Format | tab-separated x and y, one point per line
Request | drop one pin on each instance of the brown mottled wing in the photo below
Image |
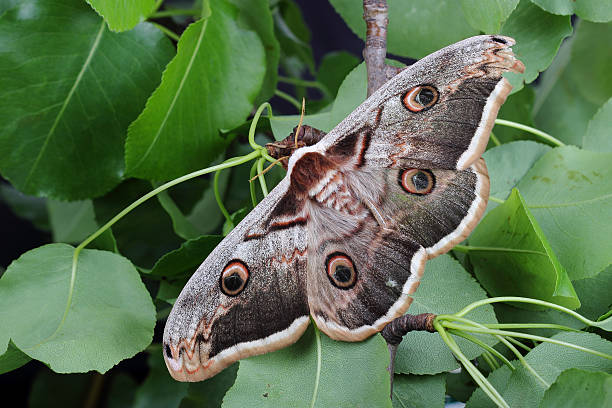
208	330
388	234
363	212
451	134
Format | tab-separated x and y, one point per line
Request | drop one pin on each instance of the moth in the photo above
344	237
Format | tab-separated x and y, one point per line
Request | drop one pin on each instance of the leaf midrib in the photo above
71	93
176	95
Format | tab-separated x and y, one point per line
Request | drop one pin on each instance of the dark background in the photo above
328	33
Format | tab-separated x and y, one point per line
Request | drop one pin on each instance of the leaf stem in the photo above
486	386
176	12
494	139
253	126
288	98
496	200
167	31
468	248
252	185
226	214
315	391
262	178
534	131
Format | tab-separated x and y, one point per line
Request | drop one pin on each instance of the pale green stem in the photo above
166	31
518	299
470	368
468	248
534	131
226	214
483	345
304	83
315	391
488	358
496	200
495	140
176	12
253	127
262	179
288	98
518	343
527	336
252	185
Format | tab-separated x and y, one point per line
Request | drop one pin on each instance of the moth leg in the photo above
283	149
394	332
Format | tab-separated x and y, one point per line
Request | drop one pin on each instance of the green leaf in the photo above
560	108
257	16
180	223
598	11
351	94
334	68
71	222
125	16
590	63
487	16
12	359
89	320
33	209
598	136
579	388
512	257
315	369
159	389
7	4
514	313
183	262
445	288
294	38
508	164
538	36
569	192
52	390
178	131
521	389
416	28
419	391
282	126
210	393
69	89
594	294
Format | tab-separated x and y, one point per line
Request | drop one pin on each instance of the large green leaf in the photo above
538	36
71	222
445	288
598	136
210	393
159	389
508	164
419	391
88	319
210	85
12	359
487	15
316	371
334	68
599	11
589	67
416	28
68	90
125	15
579	388
512	257
256	15
594	294
569	192
182	262
521	389
560	108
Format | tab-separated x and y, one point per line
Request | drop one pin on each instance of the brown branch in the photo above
375	15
